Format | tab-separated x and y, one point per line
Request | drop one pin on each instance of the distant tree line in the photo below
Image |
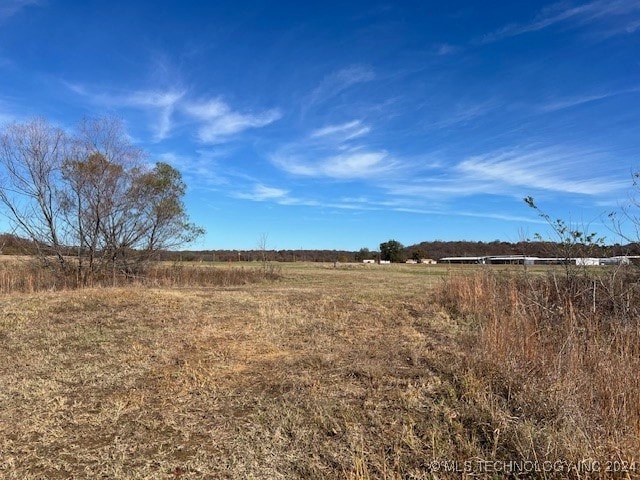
14	245
434	250
343	256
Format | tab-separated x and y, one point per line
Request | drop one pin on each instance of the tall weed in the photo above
558	356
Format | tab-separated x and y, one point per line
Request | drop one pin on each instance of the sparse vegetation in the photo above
26	275
553	356
347	372
553	361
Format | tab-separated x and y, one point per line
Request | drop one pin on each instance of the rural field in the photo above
355	372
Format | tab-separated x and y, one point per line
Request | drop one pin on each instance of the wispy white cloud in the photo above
455	212
216	121
259	192
580	100
164	102
342	132
356	165
631	27
562	12
201	170
517	172
161	104
501	216
208	109
423	195
219	122
152	98
339	81
443	187
446	49
463	113
361	199
336	151
547	169
262	192
8	8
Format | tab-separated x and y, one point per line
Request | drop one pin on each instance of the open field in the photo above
348	372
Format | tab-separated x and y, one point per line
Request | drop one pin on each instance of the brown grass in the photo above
28	275
554	362
348	372
326	374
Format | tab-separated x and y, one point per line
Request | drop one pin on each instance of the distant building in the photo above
523	260
587	261
463	260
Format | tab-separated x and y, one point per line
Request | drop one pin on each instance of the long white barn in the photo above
526	260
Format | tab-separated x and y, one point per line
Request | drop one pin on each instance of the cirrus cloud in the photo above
219	121
335	151
216	122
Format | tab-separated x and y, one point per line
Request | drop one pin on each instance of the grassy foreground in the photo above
328	373
348	372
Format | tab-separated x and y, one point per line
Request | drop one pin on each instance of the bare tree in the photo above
262	249
127	211
90	194
31	156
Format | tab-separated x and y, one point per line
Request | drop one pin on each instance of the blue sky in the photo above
341	125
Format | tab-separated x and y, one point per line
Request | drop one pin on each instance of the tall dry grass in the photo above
29	275
554	359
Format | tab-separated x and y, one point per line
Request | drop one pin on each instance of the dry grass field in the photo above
327	373
350	372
